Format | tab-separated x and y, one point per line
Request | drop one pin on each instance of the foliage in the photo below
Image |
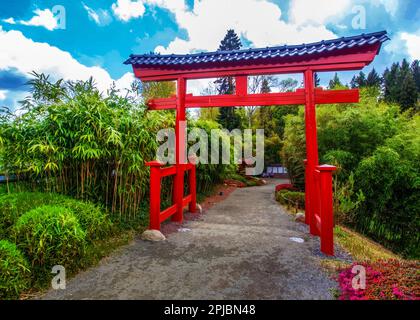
401	84
335	83
293	150
360	247
376	150
227	116
390	213
83	144
294	199
50	235
372	80
153	90
14	271
92	218
385	280
210	174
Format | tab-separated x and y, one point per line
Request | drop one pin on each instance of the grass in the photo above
359	247
98	250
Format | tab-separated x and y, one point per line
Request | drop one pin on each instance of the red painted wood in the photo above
348	59
180	149
311	146
154	223
327	214
168	171
262	99
165	214
193	189
241	85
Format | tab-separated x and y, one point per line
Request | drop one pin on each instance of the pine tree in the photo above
317	80
227	116
353	82
373	79
415	69
335	82
407	97
391	83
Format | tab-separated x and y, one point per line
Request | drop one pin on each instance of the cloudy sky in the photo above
76	39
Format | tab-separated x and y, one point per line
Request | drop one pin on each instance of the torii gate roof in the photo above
346	53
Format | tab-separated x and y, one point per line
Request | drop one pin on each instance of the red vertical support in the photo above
311	146
241	85
155	180
327	215
193	191
180	127
307	215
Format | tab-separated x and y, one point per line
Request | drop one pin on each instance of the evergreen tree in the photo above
407	97
391	83
361	80
317	80
373	79
227	116
353	82
415	69
335	82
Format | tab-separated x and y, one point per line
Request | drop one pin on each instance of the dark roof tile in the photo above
258	53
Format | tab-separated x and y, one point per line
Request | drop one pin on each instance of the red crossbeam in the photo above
263	99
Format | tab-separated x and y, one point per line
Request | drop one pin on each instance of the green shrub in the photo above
92	218
390	213
14	271
13	205
51	235
289	198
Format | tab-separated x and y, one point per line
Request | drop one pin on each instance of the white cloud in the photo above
9	20
100	16
26	55
43	18
259	21
317	12
3	94
127	9
413	44
391	6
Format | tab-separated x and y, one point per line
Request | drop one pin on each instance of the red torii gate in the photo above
347	53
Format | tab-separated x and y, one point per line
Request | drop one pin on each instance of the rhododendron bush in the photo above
385	280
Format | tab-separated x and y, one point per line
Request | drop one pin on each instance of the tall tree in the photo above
317	80
373	79
415	69
391	83
407	97
335	82
227	116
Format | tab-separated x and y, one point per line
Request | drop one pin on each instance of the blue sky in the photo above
99	34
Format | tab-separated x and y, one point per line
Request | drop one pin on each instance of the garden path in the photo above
241	248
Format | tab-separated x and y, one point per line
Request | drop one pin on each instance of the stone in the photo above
300	217
296	239
153	235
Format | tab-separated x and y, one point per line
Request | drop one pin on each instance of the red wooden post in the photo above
241	85
193	191
180	148
155	180
327	214
311	146
307	211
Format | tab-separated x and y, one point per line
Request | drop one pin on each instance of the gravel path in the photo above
239	249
